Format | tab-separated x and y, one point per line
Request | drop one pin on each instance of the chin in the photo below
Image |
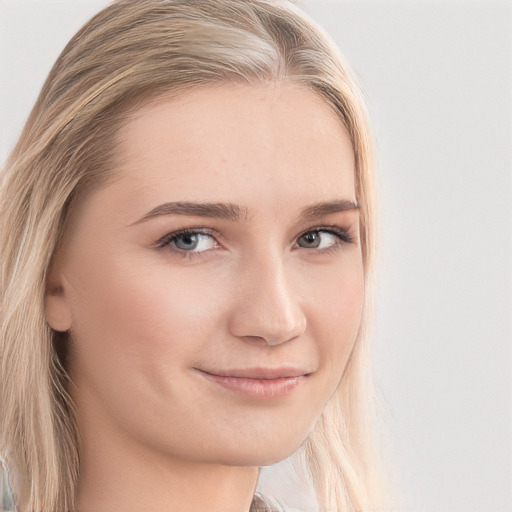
259	459
263	451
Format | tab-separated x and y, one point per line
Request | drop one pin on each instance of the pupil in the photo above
187	241
312	239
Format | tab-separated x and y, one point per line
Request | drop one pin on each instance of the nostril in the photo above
266	307
256	326
287	331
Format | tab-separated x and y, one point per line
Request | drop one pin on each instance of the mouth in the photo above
258	383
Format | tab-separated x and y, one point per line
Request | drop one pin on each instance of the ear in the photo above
56	303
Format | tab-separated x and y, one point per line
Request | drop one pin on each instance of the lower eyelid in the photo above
345	237
342	236
167	239
201	239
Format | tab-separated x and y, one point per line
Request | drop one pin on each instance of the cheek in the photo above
143	320
336	317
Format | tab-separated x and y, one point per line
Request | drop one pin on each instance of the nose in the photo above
266	306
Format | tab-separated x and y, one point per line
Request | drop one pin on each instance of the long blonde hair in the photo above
130	53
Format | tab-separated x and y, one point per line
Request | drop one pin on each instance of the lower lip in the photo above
263	389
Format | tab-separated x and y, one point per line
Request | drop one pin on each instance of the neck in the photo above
119	473
134	482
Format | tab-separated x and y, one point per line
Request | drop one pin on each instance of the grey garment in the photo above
7	503
259	505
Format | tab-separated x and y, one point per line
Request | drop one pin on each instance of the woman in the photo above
187	244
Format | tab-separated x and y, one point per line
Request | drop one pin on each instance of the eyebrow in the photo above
228	211
234	212
326	208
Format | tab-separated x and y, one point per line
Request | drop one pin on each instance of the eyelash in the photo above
167	240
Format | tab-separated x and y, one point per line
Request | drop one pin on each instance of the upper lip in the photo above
261	373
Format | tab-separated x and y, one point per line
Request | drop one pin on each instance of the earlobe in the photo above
57	308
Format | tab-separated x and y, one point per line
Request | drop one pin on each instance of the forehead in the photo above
271	142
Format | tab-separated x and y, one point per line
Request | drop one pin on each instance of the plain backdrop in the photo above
437	76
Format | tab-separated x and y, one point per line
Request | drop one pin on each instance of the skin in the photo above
148	320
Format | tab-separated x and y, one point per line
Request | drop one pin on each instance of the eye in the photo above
190	241
324	238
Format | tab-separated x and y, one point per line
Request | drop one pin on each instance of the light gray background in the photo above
438	80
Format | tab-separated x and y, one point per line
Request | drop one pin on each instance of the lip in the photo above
259	383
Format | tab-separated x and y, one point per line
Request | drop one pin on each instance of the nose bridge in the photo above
266	304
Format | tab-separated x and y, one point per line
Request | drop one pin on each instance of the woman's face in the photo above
213	289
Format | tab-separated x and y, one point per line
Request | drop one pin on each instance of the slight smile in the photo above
258	383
